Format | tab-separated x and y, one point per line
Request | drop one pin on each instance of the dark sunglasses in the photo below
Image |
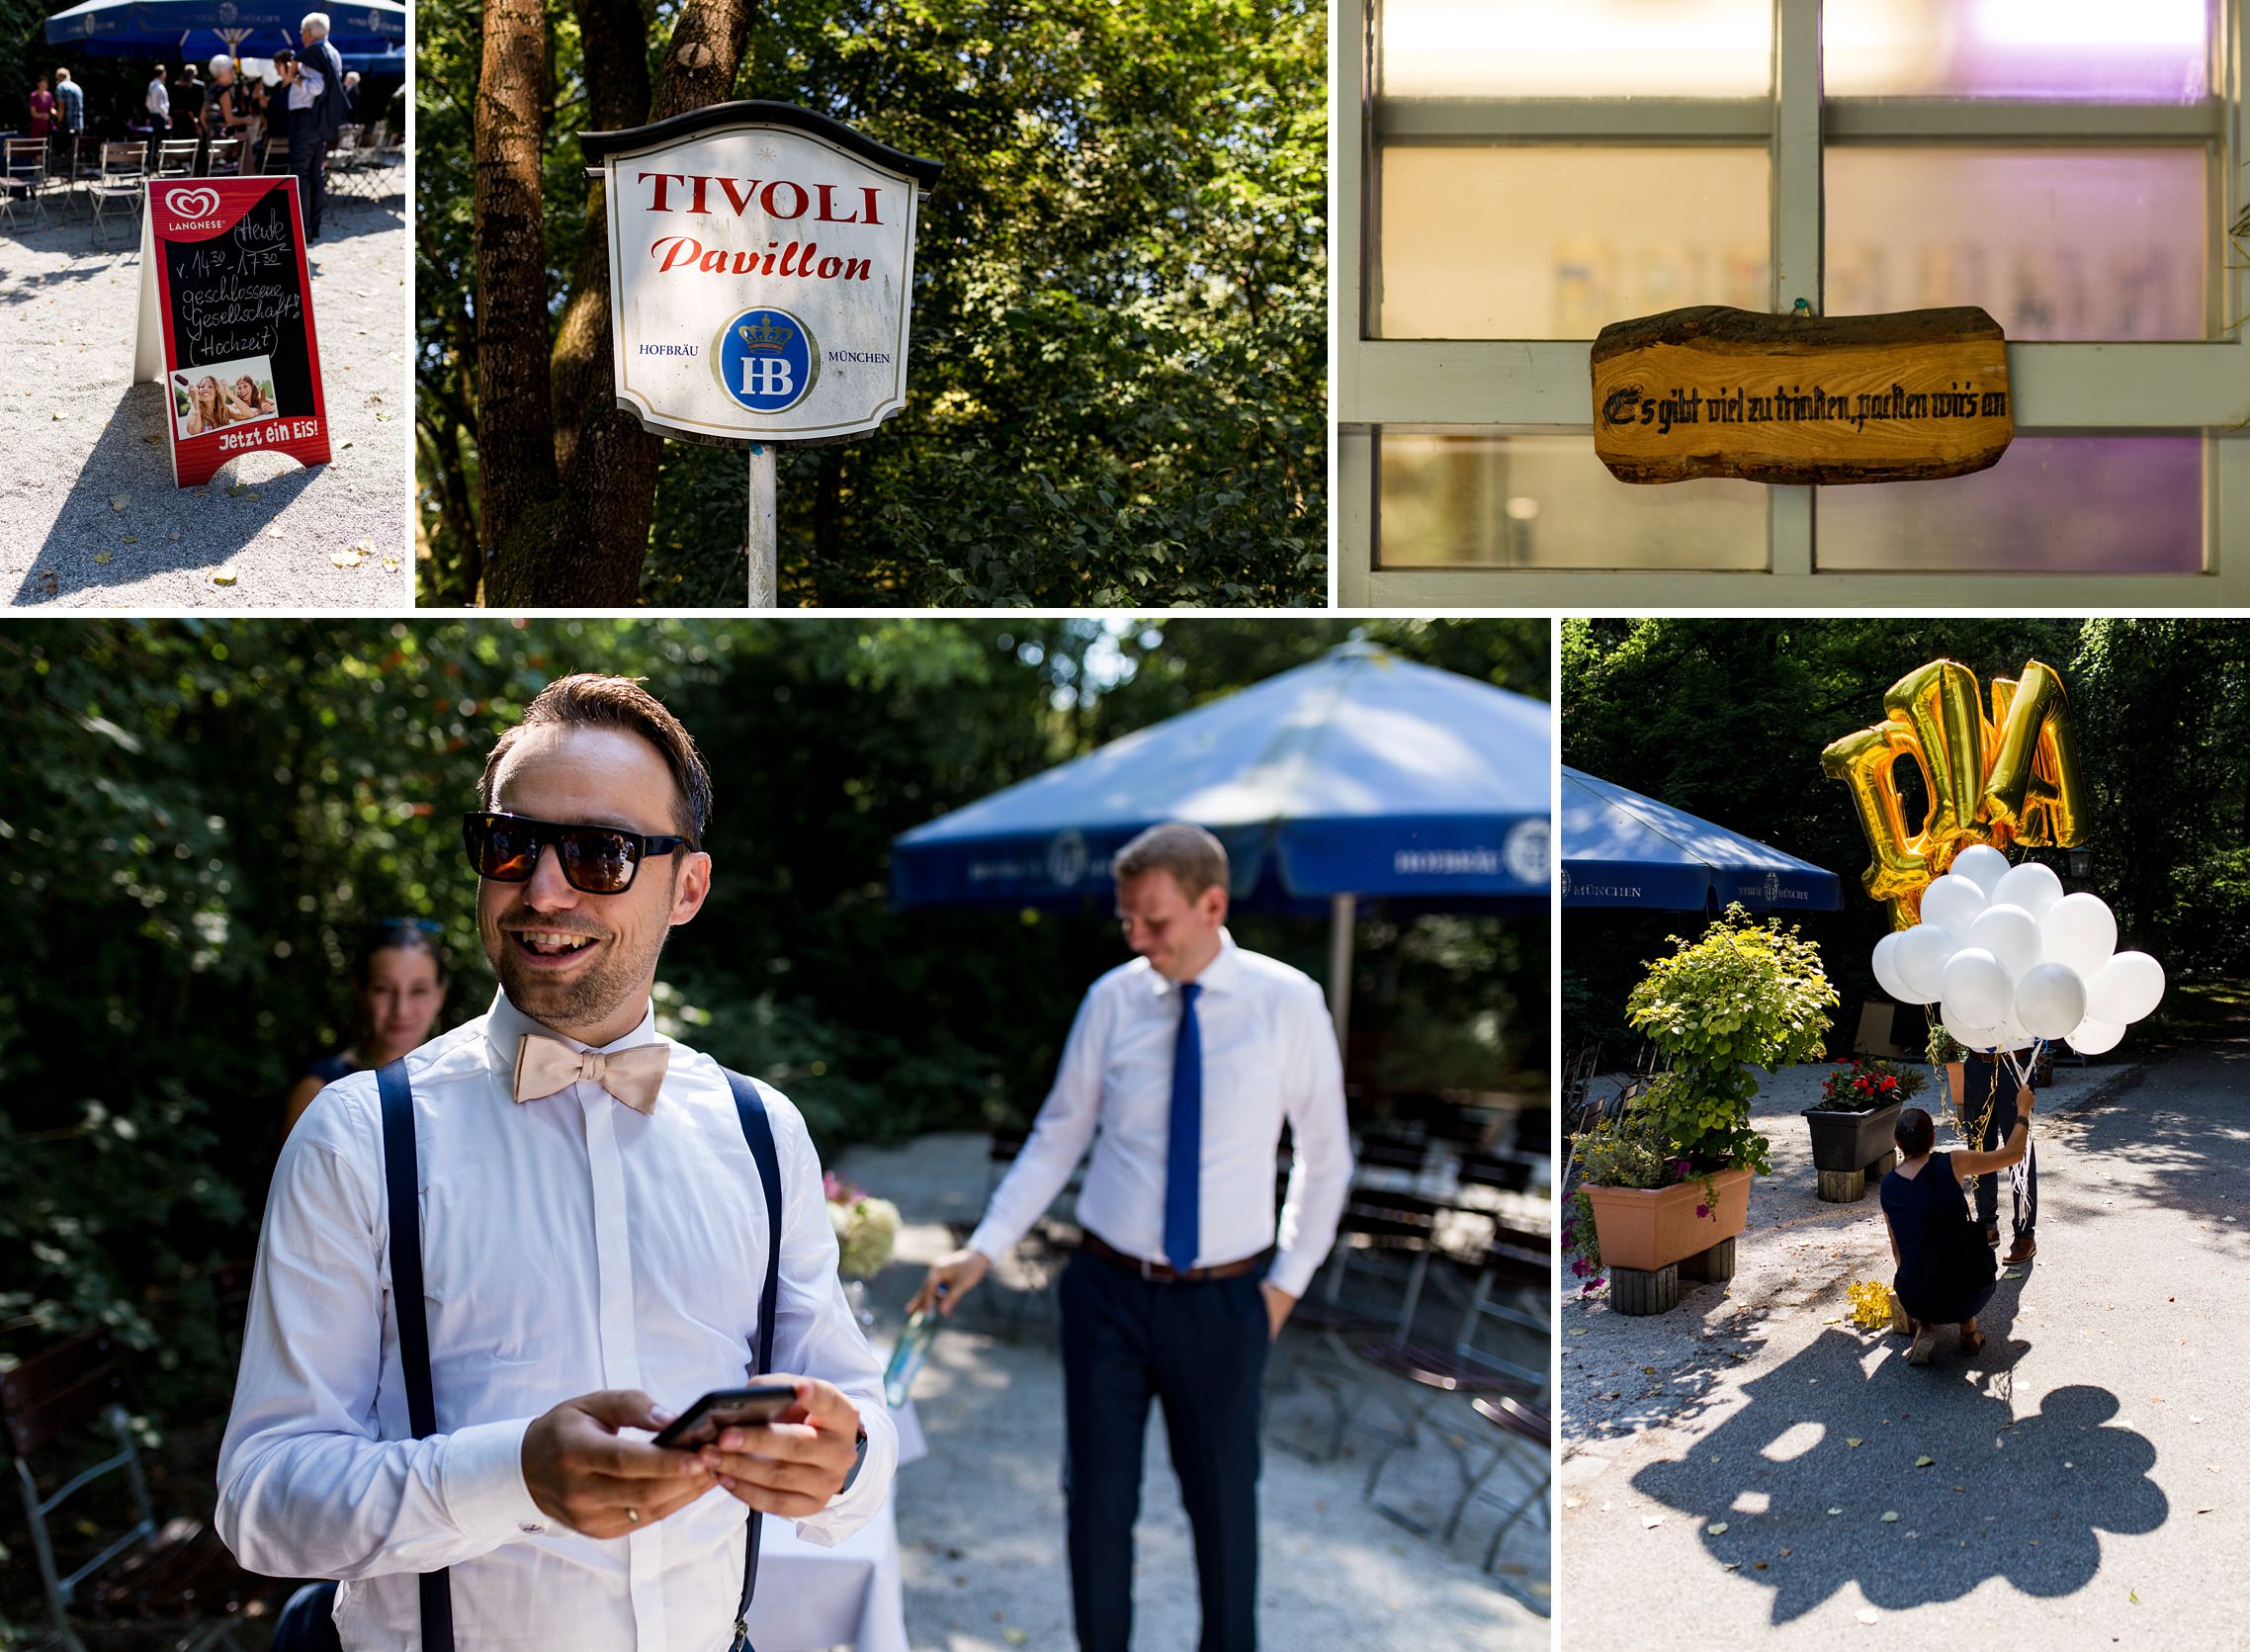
595	861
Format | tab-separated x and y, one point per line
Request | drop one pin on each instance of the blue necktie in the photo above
1183	1171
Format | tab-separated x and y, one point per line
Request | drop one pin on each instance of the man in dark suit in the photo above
315	89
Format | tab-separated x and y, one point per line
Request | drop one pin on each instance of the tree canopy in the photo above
1119	336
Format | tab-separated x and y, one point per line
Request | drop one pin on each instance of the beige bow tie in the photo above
545	1066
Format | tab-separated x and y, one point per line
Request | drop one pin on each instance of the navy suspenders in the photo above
400	1178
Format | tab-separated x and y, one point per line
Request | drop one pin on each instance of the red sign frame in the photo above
198	224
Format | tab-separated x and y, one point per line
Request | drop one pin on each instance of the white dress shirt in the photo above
568	1245
159	98
305	91
1268	1054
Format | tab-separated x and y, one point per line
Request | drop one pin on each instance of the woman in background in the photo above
398	979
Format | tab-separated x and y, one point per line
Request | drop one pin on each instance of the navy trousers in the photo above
308	160
1980	1078
1200	1350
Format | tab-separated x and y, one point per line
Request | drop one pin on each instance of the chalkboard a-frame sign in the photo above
226	323
761	273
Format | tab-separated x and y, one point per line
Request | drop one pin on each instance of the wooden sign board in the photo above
761	273
226	322
1713	392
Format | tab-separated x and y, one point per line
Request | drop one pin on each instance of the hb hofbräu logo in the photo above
765	360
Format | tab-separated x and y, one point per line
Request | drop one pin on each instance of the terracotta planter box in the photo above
1851	1141
1653	1228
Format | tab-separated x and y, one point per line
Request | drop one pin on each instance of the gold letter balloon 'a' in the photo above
2010	778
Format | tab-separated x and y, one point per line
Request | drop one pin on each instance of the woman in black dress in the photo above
1945	1271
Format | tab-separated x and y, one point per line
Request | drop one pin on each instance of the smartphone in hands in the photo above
727	1407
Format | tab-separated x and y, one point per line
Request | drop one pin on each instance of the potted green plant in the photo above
1743	996
1947	1053
1854	1122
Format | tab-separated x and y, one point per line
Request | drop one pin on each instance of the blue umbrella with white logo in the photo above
245	27
1623	849
1361	775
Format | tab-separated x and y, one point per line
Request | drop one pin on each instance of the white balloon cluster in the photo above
2010	958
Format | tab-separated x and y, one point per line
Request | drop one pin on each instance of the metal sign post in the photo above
762	546
761	281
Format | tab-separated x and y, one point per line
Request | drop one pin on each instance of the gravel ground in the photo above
83	436
981	1519
1739	1455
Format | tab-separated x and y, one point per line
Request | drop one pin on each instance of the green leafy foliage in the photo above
1120	309
1742	996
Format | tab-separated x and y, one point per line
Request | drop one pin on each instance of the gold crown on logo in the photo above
765	337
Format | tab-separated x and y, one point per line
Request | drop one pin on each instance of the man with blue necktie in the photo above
1187	1062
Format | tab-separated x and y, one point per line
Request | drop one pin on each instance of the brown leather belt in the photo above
1164	1273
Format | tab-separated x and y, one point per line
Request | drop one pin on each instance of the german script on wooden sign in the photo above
1713	392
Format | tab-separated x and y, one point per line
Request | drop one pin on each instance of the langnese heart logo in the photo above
193	203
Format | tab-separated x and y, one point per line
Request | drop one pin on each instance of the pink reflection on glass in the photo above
2074	51
2054	504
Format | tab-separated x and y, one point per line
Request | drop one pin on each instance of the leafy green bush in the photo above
1743	996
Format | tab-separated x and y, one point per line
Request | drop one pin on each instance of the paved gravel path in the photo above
981	1519
1736	1458
80	435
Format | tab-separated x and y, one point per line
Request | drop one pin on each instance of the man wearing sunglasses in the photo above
593	1246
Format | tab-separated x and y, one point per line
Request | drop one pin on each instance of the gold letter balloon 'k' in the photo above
2011	778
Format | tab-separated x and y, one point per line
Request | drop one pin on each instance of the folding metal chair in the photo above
224	159
122	184
1371	1288
1522	1430
176	157
22	178
178	1572
1516	1270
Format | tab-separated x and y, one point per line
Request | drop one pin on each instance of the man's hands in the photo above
1278	1302
960	1272
2024	1104
581	1473
796	1464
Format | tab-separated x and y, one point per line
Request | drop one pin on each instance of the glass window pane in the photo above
2056	243
1545	501
1556	240
2095	51
2054	504
1576	49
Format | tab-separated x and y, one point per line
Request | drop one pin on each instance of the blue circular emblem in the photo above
765	360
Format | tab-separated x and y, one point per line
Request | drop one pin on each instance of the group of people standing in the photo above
309	100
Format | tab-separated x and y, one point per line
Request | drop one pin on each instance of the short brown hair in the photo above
588	701
1190	854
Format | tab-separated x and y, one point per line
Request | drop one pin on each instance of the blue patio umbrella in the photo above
246	28
1358	775
1622	849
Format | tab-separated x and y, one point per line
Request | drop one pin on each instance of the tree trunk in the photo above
582	541
516	446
